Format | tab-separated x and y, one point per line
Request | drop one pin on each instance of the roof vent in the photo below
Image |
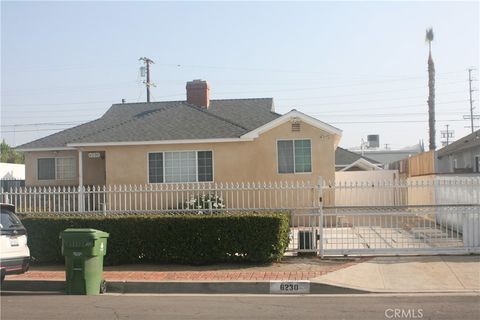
295	126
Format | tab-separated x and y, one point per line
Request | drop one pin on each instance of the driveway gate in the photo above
437	216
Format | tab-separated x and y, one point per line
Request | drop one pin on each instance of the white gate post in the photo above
81	196
320	218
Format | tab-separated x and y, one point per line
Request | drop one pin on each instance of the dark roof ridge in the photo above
134	118
264	98
361	156
152	102
202	109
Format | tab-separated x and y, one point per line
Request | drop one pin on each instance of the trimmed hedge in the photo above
187	239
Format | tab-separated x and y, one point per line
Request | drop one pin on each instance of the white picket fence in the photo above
416	216
161	198
187	197
428	191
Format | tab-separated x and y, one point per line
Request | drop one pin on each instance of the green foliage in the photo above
187	239
8	155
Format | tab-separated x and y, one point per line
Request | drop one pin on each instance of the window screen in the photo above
285	156
180	167
294	156
205	166
46	169
303	158
155	167
65	168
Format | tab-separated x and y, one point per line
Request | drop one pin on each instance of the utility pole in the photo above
148	84
446	134
471	116
471	100
431	91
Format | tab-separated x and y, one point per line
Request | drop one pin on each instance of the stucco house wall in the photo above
463	159
246	161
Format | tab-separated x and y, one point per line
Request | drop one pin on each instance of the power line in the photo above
83	102
376	108
41	124
335	122
394	121
321	87
471	116
371	93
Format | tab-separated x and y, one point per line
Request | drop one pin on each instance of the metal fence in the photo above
7	184
416	216
430	190
161	198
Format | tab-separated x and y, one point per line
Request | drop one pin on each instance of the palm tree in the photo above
431	90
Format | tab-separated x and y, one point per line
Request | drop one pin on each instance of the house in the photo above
197	140
12	175
461	156
346	160
385	156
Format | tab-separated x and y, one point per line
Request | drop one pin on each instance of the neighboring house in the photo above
236	140
461	156
388	156
12	175
12	171
346	160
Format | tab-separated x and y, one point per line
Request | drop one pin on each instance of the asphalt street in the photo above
350	307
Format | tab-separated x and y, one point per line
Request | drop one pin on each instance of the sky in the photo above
360	66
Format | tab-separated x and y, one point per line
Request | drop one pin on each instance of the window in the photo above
180	167
205	168
294	156
155	167
65	168
46	169
184	166
56	168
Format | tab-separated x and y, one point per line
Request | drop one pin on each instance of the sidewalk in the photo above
409	274
291	268
342	275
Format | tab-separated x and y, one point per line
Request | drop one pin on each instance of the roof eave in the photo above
45	149
158	142
288	116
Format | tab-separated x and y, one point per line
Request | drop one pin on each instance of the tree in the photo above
9	155
431	90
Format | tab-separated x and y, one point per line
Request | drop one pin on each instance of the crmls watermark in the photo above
396	313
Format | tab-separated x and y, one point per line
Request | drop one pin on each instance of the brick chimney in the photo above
198	93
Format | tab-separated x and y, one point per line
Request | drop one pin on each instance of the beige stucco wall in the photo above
31	158
248	161
232	162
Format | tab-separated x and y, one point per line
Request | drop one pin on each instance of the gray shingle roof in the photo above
470	141
169	120
344	157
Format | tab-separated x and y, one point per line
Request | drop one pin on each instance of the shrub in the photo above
209	202
188	239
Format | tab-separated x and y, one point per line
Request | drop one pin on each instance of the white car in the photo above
14	252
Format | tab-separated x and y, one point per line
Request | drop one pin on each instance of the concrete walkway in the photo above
409	274
419	274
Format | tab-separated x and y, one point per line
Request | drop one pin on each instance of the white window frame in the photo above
311	153
56	169
173	151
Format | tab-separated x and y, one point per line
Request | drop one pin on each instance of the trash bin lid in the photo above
91	233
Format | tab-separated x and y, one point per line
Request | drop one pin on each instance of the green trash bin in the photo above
84	250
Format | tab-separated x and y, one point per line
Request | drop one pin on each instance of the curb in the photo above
132	287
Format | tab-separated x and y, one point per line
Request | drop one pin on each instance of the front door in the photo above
94	173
